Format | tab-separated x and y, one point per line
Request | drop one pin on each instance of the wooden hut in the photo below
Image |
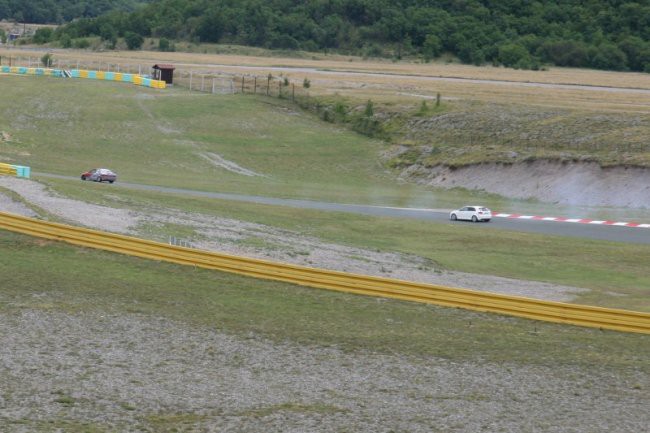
164	73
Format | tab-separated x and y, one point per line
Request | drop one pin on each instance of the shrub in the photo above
133	40
81	43
66	41
369	110
165	45
47	60
43	35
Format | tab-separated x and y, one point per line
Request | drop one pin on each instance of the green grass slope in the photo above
177	138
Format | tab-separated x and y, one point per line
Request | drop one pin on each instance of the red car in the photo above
99	175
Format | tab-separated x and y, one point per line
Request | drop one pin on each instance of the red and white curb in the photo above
571	220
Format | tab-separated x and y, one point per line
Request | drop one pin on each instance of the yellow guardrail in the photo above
581	315
8	169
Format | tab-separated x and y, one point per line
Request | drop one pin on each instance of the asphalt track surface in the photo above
440	216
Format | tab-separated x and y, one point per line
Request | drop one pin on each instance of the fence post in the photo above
255	85
268	84
280	89
190	81
242	84
213	85
293	92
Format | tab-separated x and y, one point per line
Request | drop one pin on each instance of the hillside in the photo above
600	34
56	12
578	136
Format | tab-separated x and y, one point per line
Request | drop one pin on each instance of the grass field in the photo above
76	280
616	273
167	138
171	138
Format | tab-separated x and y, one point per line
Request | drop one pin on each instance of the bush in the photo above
514	55
341	111
306	83
369	127
424	109
165	45
81	43
47	60
133	40
432	47
369	110
66	41
43	35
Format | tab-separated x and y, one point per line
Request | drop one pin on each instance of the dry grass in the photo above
403	82
573	97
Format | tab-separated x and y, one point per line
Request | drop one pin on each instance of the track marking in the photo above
572	220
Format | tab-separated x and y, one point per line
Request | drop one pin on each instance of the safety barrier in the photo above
118	76
82	73
31	71
581	315
14	170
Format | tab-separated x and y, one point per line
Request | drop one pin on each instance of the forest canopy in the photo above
60	11
602	34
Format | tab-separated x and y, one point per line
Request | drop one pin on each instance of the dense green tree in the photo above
43	35
514	55
133	40
54	12
432	47
607	34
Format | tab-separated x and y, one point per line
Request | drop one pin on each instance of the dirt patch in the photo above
568	183
220	162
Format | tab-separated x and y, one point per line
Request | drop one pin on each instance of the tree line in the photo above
60	11
601	34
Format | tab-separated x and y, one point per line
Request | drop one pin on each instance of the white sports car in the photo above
471	213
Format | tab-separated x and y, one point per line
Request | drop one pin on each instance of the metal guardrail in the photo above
581	315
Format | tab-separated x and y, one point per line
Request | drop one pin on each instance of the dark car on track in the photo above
99	175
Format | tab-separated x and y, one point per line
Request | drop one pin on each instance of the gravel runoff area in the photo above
119	371
132	373
256	240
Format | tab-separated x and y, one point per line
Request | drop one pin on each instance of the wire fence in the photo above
214	82
63	63
218	82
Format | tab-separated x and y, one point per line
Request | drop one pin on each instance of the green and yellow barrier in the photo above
82	73
14	170
136	79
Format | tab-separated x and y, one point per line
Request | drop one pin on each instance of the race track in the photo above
441	216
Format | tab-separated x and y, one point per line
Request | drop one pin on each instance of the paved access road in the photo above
440	216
